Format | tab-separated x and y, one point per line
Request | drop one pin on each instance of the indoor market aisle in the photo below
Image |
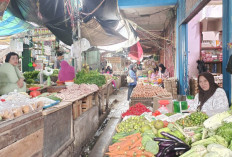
103	136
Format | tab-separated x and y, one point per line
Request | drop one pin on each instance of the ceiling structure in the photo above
151	20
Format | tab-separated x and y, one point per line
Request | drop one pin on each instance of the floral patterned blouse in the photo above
217	103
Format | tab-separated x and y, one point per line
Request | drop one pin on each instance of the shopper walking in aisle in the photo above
132	74
211	99
10	77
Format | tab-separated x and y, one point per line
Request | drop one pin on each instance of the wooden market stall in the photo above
23	136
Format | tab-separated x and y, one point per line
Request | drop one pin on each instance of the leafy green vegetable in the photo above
30	81
215	121
152	146
146	139
219	149
30	75
225	131
91	77
195	151
213	139
149	133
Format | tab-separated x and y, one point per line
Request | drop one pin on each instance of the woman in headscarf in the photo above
66	72
211	99
132	74
163	73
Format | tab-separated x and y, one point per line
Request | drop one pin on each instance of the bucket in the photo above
179	108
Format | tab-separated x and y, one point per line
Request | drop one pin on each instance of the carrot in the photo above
131	136
137	143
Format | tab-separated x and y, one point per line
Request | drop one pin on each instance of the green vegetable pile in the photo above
134	123
225	131
30	76
195	119
91	77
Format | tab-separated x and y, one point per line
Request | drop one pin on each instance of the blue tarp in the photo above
11	25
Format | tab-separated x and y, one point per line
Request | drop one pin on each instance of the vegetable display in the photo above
184	135
146	91
75	91
129	146
136	109
171	147
134	123
30	76
91	77
195	119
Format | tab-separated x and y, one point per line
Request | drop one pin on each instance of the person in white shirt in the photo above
211	99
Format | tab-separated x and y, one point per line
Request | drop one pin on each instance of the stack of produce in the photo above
147	91
171	146
136	109
195	119
30	76
90	77
75	91
130	146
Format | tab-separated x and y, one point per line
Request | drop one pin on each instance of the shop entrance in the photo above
205	52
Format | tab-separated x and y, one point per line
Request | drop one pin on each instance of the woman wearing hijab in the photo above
66	72
211	99
163	73
132	74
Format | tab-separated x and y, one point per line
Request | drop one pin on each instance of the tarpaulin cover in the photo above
136	52
11	25
54	14
3	6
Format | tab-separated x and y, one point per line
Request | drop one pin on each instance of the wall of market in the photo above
170	47
193	45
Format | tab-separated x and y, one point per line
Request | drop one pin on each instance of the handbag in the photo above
129	79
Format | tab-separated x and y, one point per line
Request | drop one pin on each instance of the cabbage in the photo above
225	131
152	146
219	149
212	154
215	121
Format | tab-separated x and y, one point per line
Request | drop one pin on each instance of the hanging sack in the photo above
129	79
229	65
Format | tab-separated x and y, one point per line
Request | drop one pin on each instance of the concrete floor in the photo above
114	118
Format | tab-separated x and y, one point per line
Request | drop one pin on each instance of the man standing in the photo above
59	58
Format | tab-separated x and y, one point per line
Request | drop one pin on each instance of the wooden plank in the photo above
57	130
77	110
62	148
19	132
81	97
11	124
25	147
107	95
55	108
96	99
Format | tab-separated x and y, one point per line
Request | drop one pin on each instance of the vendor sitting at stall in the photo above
211	99
10	77
67	72
163	72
